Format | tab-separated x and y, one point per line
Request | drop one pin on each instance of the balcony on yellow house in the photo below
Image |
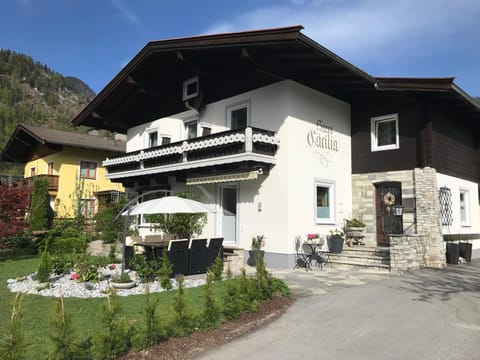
247	145
51	179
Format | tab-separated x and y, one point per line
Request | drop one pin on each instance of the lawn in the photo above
85	312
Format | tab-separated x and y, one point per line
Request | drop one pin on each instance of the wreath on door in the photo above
389	199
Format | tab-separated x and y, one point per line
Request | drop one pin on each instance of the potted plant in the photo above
123	281
258	242
335	241
356	230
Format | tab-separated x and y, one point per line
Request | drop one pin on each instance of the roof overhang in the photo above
150	85
441	89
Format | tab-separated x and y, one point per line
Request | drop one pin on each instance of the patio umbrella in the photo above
170	205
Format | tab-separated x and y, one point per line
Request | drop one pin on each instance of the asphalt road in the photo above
426	314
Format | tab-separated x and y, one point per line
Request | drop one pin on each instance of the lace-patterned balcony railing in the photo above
232	143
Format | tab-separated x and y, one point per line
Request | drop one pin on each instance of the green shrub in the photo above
165	271
184	321
112	254
40	205
62	333
113	339
211	314
109	230
63	239
14	342
150	330
231	300
86	267
146	270
62	264
217	268
45	267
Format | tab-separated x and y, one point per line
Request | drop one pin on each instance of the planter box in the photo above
252	256
335	244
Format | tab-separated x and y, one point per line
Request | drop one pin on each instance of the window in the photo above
464	208
206	128
238	116
445	197
190	88
88	170
152	139
324	203
50	168
384	132
166	140
32	172
191	129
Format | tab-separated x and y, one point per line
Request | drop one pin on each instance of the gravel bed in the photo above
65	286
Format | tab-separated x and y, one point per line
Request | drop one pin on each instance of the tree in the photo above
40	206
14	203
182	225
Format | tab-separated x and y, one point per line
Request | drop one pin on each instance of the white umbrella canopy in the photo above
170	205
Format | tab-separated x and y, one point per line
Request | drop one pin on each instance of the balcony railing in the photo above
52	181
226	144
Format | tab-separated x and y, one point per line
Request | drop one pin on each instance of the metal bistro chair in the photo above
321	255
303	258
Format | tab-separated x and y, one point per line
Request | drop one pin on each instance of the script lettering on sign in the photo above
322	140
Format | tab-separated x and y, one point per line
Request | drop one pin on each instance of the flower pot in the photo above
252	256
335	244
123	285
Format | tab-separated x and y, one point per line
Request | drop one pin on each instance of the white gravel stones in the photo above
67	287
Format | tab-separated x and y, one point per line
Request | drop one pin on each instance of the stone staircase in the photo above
365	257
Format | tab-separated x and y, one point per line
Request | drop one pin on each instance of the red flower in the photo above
310	236
112	266
74	276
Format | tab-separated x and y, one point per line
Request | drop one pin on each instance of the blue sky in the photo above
94	39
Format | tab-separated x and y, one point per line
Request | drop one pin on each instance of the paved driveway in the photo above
427	314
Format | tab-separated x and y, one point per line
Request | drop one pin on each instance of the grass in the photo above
85	312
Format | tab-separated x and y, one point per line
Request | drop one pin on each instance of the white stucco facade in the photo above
313	130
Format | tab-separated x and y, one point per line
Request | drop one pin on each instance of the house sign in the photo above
322	140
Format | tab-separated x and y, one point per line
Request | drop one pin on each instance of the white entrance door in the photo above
228	204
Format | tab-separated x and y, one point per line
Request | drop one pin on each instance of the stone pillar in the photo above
428	216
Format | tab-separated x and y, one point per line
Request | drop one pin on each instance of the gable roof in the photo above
26	138
150	85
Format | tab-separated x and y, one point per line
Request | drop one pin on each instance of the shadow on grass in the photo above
430	284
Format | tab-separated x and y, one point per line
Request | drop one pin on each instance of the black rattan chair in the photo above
178	256
214	249
197	254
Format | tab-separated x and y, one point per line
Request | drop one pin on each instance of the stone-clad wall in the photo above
428	216
363	199
421	245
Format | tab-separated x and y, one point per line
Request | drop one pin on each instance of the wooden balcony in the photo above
52	181
226	147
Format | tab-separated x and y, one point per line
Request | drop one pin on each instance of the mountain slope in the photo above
31	93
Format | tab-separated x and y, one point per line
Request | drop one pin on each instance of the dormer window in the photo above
190	88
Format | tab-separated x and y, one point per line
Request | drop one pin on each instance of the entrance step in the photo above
362	257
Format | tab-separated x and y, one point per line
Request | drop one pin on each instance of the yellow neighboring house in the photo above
72	164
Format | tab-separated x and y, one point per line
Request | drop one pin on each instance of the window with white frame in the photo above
191	129
190	88
238	116
464	207
152	139
384	132
324	202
